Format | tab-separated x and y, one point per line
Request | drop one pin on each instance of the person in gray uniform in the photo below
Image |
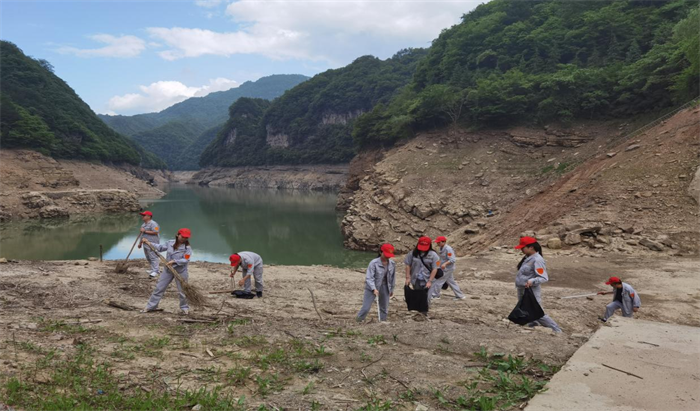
379	282
421	265
178	257
447	263
532	273
251	265
624	298
150	230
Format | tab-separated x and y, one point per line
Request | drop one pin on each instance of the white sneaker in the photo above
436	297
185	312
153	274
460	298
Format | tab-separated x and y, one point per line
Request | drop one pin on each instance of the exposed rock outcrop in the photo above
314	178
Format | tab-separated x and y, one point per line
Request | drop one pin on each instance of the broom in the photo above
122	266
194	296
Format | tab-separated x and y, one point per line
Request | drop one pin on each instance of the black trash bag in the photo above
416	300
527	310
243	294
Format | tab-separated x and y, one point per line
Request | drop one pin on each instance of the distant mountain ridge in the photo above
176	133
39	111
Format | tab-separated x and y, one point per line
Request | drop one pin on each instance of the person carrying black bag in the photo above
422	266
532	272
528	309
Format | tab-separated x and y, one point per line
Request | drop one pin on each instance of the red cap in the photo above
185	232
148	213
441	238
235	259
612	280
424	244
525	241
388	250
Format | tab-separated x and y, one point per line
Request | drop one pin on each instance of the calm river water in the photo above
284	227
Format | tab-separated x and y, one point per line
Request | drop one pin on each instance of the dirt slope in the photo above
34	185
487	188
358	365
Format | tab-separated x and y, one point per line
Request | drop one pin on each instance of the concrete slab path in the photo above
665	356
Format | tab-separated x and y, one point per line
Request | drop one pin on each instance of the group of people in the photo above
426	269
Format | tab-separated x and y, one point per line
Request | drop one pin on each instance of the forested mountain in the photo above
523	61
312	123
41	112
177	132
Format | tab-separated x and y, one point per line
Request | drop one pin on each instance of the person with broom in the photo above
251	265
379	282
150	230
178	257
532	273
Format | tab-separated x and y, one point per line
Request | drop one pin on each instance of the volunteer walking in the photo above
447	261
150	230
251	265
421	266
532	273
624	298
178	257
379	282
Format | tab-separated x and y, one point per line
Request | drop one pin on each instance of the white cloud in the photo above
163	94
121	47
207	3
333	31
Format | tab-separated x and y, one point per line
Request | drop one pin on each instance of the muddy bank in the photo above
315	178
37	186
281	341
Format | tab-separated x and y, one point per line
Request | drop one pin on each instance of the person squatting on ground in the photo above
251	264
379	282
150	230
447	261
422	265
624	298
532	273
178	257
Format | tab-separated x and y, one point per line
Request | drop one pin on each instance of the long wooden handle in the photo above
165	263
132	248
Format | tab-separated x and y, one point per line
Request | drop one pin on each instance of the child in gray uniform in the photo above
178	257
624	298
532	272
379	282
150	230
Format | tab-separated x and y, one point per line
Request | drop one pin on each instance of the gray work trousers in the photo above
152	259
545	321
448	278
257	276
368	300
612	307
162	285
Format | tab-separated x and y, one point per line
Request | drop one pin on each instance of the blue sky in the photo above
129	57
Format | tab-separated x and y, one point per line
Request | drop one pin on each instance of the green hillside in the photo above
316	118
210	110
237	142
169	140
537	61
189	157
40	111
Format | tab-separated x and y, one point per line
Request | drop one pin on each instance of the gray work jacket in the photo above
630	299
181	255
447	254
377	274
533	268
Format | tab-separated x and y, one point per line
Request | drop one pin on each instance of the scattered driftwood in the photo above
399	381
198	321
189	355
211	354
79	322
121	306
622	371
644	342
313	299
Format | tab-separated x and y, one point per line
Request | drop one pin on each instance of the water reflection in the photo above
285	227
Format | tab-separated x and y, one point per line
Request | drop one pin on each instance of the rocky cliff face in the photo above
578	187
36	186
316	178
